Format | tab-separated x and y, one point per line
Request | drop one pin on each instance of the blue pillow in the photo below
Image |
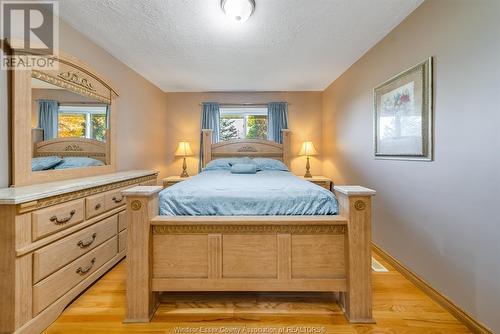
244	160
215	164
244	168
226	163
44	163
270	164
75	162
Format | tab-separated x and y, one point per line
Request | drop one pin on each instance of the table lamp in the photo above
308	150
184	150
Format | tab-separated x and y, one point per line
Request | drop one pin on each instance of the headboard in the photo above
68	147
246	148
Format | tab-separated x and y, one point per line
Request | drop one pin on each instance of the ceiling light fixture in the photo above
238	10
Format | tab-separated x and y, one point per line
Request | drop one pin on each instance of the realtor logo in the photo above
32	27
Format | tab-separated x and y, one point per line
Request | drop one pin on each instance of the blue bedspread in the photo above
220	193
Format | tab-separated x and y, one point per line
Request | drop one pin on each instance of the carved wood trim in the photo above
249	229
69	85
73	148
77	79
49	201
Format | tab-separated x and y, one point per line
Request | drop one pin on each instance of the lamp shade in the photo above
183	150
308	149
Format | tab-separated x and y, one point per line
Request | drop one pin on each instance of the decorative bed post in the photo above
142	205
207	144
355	205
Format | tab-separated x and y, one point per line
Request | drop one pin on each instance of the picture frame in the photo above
403	115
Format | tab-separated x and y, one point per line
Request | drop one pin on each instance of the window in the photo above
82	121
243	123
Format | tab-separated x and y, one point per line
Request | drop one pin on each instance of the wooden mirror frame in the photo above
75	76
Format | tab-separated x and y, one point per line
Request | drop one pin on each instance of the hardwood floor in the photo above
399	307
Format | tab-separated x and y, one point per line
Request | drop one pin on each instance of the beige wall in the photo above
141	106
4	131
184	112
439	218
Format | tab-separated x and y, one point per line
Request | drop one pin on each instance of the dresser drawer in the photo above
54	256
114	199
122	221
95	205
56	218
57	284
122	241
100	203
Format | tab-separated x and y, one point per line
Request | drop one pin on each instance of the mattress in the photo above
270	192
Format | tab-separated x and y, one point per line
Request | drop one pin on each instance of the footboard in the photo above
249	253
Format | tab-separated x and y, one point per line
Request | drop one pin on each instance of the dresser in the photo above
56	239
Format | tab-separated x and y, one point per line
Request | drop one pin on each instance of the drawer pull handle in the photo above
97	206
117	200
58	221
83	244
83	271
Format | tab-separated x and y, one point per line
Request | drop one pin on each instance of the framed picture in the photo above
403	115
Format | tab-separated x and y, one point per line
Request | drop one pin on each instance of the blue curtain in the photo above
210	117
47	118
277	120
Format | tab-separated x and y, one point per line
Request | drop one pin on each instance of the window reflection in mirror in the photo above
82	121
68	130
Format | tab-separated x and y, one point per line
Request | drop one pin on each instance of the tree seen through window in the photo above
243	123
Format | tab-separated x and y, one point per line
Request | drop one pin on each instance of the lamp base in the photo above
184	169
308	171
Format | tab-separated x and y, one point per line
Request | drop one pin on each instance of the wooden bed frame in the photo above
69	147
249	253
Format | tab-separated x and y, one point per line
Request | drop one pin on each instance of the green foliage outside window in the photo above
257	127
71	125
98	126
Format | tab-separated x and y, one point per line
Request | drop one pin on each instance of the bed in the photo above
270	192
270	249
64	153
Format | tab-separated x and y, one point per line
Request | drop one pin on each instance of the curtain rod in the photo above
79	103
244	104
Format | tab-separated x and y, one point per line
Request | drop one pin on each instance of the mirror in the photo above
69	130
78	112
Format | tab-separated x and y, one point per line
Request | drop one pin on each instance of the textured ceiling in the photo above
189	45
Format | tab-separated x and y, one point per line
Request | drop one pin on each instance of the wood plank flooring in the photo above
399	307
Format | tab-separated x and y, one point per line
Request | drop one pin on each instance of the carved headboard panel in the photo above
70	147
246	148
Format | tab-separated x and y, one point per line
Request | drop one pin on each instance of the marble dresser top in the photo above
35	192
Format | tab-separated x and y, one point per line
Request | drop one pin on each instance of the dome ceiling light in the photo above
238	10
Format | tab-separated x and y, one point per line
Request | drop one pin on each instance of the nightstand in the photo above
171	180
321	181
